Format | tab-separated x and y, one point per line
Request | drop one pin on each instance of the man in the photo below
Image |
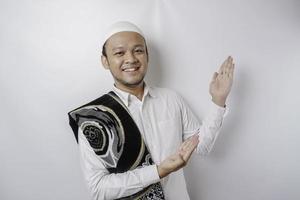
135	140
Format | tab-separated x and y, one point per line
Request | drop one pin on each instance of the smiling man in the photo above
135	140
125	55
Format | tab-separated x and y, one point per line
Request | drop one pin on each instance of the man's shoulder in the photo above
90	102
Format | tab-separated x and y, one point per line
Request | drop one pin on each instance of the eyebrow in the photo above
135	46
139	45
116	48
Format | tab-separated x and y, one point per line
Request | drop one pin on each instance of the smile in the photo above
132	69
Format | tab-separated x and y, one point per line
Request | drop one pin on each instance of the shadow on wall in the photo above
155	74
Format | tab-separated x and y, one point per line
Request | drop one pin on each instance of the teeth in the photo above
130	69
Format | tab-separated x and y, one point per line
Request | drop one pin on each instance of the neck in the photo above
137	90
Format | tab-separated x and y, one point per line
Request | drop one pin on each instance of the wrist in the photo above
161	171
219	101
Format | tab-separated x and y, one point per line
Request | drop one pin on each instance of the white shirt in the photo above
164	121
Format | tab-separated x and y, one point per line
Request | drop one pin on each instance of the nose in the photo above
130	58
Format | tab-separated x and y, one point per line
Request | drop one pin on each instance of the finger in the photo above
214	77
195	142
230	59
231	72
186	156
228	66
231	68
189	150
228	69
189	139
223	65
185	150
196	139
186	144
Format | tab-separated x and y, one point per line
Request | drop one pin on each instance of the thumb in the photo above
214	76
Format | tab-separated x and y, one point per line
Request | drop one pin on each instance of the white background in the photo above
50	64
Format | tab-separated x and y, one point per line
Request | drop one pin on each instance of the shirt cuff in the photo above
150	175
219	110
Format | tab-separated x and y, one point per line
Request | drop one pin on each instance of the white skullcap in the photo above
121	26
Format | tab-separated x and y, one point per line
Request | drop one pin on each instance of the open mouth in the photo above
131	69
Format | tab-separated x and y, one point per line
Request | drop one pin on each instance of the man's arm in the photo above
105	185
208	131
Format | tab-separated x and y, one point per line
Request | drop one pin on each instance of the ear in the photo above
104	62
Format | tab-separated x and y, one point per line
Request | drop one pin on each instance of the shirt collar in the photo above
125	96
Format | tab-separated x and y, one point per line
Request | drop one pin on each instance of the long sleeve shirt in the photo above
165	121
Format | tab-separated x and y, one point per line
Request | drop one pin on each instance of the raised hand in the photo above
221	82
180	158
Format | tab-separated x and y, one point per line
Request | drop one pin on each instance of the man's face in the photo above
126	58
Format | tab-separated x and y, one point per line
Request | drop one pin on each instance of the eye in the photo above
139	50
119	53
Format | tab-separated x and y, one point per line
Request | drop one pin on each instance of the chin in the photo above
133	83
130	81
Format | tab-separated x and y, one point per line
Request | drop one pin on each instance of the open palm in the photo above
180	158
221	82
